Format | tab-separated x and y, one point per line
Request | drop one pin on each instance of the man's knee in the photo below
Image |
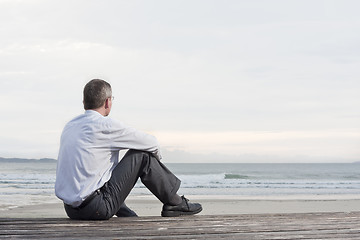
138	154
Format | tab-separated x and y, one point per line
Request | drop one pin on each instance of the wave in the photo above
235	176
227	179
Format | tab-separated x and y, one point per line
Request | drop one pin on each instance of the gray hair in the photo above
95	93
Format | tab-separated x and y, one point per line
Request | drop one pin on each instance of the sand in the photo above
212	205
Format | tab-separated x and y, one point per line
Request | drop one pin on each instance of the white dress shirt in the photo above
89	151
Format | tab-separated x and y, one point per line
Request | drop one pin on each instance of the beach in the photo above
212	205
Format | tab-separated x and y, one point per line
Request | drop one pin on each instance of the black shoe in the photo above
124	211
184	208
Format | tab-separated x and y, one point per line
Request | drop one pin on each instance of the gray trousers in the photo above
134	165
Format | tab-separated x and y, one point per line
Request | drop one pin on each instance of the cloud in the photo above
188	67
340	143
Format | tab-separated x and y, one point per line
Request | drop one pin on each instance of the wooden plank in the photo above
259	226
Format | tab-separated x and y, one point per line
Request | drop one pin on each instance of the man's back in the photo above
85	157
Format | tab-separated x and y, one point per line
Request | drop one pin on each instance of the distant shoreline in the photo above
26	160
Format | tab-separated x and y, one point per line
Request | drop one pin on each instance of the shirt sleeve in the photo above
125	137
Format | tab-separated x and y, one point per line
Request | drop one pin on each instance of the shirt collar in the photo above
92	112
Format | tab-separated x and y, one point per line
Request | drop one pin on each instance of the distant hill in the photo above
26	160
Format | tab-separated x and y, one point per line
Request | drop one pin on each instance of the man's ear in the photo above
107	103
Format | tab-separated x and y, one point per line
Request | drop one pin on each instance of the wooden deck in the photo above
255	226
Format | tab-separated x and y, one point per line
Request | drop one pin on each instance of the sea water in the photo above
33	182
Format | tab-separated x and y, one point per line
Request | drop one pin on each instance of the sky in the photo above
214	81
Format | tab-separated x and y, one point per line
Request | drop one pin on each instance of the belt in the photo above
88	199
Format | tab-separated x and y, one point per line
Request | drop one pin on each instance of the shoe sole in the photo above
178	213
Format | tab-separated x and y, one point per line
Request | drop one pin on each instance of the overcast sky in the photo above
243	81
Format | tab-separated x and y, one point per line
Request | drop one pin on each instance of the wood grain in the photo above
255	226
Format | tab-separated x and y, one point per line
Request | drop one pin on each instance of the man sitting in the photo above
91	181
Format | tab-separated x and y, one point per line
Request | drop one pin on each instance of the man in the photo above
91	181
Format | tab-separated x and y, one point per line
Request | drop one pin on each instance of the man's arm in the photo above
125	137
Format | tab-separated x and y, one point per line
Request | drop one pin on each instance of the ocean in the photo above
26	183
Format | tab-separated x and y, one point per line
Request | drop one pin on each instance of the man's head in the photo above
97	95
